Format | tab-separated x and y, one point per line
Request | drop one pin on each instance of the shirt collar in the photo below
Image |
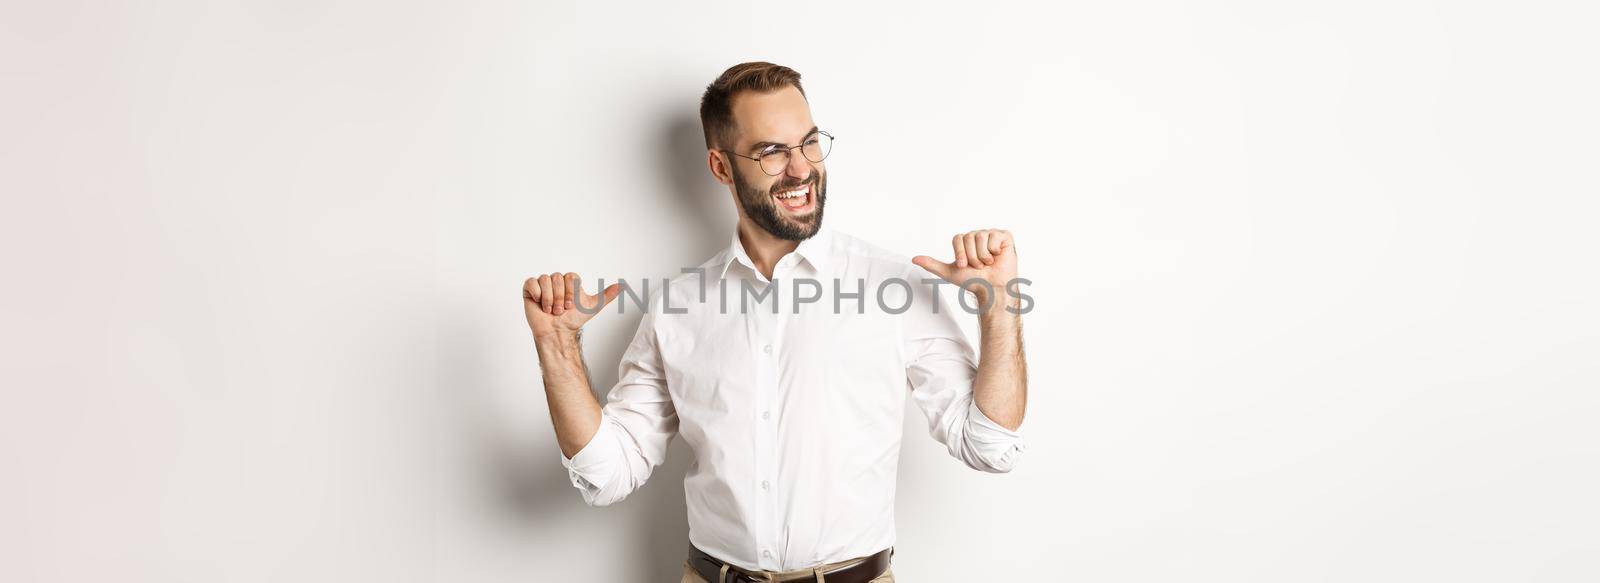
813	250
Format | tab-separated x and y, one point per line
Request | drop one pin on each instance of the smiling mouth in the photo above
797	200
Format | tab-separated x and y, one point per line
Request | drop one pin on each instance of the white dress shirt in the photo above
794	419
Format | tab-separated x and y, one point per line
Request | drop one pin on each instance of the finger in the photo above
544	293
970	242
961	251
999	240
530	289
934	266
610	293
559	303
558	293
574	290
983	248
591	304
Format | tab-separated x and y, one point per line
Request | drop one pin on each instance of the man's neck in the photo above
764	248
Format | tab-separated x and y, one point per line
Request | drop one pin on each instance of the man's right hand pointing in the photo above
551	303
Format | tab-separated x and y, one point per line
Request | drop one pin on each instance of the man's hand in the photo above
551	303
989	255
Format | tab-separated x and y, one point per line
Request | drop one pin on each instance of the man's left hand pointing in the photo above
989	255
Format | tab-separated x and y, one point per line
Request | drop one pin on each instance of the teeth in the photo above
794	193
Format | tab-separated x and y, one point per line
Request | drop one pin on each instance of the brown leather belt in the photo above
709	567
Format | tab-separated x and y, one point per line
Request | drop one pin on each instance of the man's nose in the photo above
799	167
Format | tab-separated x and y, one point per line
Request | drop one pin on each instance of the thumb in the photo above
941	269
594	304
610	293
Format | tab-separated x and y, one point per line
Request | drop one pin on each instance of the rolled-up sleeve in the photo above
637	423
940	368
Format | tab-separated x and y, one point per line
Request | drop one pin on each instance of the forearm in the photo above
1001	386
574	411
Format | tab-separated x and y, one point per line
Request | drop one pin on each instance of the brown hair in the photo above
716	106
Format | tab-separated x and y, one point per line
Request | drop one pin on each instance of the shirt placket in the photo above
768	329
760	325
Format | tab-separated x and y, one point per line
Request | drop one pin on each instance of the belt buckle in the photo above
737	575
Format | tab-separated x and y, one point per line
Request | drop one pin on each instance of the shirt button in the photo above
767	349
766	414
767	554
764	485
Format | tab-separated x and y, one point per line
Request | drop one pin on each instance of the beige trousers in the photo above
690	576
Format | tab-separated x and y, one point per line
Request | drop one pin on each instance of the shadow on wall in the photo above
705	207
530	487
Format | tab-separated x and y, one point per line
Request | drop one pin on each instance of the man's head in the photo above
751	114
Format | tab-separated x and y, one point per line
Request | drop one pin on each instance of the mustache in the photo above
788	186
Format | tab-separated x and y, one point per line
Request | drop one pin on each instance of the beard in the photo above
760	207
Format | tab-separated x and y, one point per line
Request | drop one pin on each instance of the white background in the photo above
1315	283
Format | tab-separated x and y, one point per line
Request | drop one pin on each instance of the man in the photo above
794	414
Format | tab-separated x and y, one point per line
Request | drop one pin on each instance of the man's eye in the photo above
811	141
766	152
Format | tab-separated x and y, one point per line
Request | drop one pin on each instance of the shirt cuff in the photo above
984	420
590	469
998	446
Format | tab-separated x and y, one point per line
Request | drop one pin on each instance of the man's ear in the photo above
718	163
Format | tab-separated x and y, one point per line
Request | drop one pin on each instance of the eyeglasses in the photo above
773	159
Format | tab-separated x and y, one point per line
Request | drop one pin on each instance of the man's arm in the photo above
986	264
574	411
974	405
1001	388
556	323
609	451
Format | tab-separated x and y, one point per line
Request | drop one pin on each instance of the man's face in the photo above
789	205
